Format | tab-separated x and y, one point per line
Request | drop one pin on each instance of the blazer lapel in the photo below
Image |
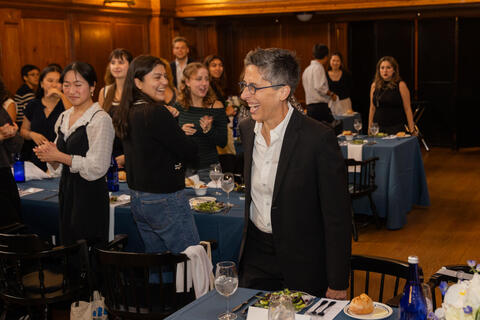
288	146
248	141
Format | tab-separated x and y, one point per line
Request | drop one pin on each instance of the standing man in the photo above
315	84
297	231
180	51
30	76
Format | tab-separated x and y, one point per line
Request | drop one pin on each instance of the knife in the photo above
241	305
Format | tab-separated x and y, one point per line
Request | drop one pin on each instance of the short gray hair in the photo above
276	66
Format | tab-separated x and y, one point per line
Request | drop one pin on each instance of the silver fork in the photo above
322	313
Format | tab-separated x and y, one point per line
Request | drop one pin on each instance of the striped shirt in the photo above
207	142
22	98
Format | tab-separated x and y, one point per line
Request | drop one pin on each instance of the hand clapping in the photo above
8	131
206	123
47	152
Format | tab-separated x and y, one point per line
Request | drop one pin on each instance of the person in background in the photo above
110	95
218	82
296	190
156	150
26	92
202	116
390	99
317	94
7	102
340	83
10	142
170	90
180	52
83	148
42	113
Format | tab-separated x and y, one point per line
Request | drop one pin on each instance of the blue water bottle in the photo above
112	176
413	305
19	169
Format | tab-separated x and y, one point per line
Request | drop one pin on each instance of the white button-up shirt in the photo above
180	69
264	170
315	83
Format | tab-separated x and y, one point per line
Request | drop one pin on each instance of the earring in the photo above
91	93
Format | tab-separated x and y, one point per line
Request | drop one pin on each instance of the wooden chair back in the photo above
361	177
140	285
437	278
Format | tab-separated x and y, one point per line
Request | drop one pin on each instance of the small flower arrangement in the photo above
461	300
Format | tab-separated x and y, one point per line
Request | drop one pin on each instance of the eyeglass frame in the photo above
251	87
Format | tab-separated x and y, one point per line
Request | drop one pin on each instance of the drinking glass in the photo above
374	130
216	174
281	308
357	124
228	183
427	293
226	283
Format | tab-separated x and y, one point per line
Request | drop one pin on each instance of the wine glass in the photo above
427	293
357	124
216	174
226	283
228	183
374	130
281	308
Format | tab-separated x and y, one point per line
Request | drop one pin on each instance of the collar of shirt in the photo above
278	132
84	119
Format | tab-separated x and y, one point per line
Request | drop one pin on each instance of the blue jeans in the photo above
164	221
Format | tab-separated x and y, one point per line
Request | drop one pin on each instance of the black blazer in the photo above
173	66
311	207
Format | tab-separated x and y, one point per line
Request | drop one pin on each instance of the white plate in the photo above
380	311
197	200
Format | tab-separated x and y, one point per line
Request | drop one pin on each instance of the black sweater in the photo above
156	150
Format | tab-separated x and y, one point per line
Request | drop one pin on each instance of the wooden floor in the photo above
447	232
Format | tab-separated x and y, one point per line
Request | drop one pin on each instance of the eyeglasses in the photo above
253	89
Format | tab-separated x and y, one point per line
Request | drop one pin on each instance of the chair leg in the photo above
374	211
354	227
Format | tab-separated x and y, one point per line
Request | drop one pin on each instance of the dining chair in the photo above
437	278
36	277
417	115
361	183
375	271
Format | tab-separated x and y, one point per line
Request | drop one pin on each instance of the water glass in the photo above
228	183
226	283
374	128
281	308
216	175
357	124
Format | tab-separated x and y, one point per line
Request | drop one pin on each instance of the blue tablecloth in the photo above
41	215
400	178
348	120
209	306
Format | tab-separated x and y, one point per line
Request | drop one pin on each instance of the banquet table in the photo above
348	120
40	211
210	305
400	177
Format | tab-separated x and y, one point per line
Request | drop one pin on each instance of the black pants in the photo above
259	268
9	198
320	111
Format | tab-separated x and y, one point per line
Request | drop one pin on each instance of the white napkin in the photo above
28	191
354	151
32	172
212	184
392	136
195	178
255	313
332	312
121	199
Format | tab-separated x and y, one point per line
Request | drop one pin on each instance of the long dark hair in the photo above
50	68
140	66
379	82
185	96
118	53
219	84
4	93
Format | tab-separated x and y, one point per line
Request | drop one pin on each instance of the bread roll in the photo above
347	133
362	304
189	182
401	134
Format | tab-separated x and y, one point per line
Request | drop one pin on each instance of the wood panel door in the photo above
132	36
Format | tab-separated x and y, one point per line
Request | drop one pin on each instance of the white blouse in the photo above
100	134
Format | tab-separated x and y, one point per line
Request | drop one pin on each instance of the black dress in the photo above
389	112
84	205
42	124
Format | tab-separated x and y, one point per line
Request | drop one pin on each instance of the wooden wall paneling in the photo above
131	36
51	45
10	53
339	39
93	44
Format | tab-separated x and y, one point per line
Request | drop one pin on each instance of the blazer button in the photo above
274	208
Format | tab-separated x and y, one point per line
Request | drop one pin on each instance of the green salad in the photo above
209	206
298	299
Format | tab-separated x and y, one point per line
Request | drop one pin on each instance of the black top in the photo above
343	87
8	146
156	150
207	142
216	89
39	123
389	112
117	143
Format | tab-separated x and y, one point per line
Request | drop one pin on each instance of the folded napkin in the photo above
255	313
354	151
199	271
121	199
331	312
392	136
212	184
32	172
28	191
